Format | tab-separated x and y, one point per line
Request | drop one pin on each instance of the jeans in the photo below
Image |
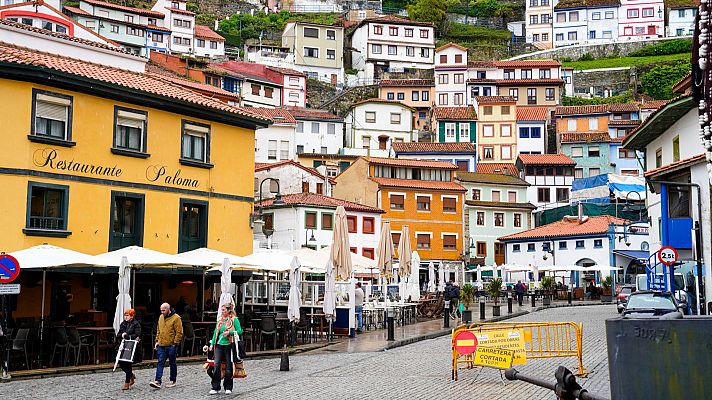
127	367
359	318
163	353
223	353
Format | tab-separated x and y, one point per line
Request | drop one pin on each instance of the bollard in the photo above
446	314
520	298
509	303
533	299
284	363
482	309
570	296
391	327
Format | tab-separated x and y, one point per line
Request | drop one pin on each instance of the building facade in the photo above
318	50
496	124
681	18
208	43
582	22
293	178
276	142
531	83
539	25
532	129
549	177
451	75
318	131
182	25
455	124
462	154
373	125
640	21
416	93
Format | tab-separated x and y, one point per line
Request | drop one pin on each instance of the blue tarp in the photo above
598	189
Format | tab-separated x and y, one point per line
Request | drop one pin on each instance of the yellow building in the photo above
418	193
496	129
98	158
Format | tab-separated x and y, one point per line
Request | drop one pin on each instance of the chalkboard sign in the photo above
127	350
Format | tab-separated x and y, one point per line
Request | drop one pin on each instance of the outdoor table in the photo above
97	331
322	319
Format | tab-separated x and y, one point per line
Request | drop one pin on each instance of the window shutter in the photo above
449	203
53	111
197	130
449	241
423	239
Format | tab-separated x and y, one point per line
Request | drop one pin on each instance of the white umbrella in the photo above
413	286
358	262
295	293
329	305
441	278
479	274
208	257
385	251
138	256
269	260
431	277
404	253
225	284
503	272
123	300
340	248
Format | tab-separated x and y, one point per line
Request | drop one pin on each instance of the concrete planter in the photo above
495	311
467	316
606	298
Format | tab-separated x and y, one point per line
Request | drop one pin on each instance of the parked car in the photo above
652	304
622	297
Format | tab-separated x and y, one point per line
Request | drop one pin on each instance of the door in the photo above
193	225
334	79
499	253
126	220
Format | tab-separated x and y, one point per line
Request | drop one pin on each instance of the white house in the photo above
481	79
681	18
208	43
550	177
539	25
588	21
451	75
462	154
307	220
318	131
372	125
293	178
268	54
318	50
674	152
277	141
641	20
531	129
182	24
391	43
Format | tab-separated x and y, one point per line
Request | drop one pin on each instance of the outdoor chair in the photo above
188	336
77	343
268	327
60	343
19	344
302	326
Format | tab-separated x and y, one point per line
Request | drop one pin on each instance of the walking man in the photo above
520	289
169	333
358	301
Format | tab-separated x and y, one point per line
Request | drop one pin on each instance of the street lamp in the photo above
312	239
276	202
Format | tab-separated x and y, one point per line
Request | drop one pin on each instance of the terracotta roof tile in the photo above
495	99
546	159
497	168
402	162
158	28
76	10
624	107
141	82
277	115
455	113
653	104
568	227
203	31
565	4
584	137
318	200
374	100
63	36
530	82
676	165
451	44
415	184
480	80
430	148
201	87
582	110
532	113
313	114
499	179
407	82
139	11
392	19
286	71
481	64
623	122
179	11
527	63
500	204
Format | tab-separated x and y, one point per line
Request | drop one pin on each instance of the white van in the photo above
641	283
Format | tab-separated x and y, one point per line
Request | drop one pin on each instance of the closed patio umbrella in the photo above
441	278
479	275
385	252
340	247
413	286
329	306
404	253
123	300
226	284
431	277
295	293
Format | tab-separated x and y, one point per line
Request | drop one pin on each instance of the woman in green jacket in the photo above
223	342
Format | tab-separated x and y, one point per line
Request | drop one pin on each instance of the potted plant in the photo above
466	294
607	295
547	284
493	289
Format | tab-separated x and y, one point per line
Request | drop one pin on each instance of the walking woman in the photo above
130	329
222	343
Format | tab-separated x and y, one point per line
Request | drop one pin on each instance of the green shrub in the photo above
582	101
676	46
586	57
657	83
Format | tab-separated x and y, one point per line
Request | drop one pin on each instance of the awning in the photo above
640	255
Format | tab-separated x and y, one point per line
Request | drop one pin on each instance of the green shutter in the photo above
457	131
441	131
316	163
473	132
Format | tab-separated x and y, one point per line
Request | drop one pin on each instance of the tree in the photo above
658	82
432	11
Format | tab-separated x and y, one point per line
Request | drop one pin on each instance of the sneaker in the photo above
213	391
228	391
155	384
171	384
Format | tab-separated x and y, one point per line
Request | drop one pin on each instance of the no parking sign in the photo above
9	268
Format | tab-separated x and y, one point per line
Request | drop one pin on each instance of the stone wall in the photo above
341	102
605	82
318	92
617	49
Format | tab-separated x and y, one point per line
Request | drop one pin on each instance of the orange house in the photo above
420	194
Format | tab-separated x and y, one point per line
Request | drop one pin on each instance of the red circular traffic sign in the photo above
465	342
9	268
667	255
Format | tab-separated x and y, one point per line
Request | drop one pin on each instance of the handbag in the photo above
238	367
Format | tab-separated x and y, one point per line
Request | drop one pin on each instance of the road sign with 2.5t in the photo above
667	255
9	268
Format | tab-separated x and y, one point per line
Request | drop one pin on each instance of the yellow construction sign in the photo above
494	357
510	339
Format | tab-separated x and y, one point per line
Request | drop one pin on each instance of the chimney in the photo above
580	212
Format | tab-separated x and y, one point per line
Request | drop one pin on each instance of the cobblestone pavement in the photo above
420	370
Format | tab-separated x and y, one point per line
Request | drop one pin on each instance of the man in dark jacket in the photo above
452	293
520	289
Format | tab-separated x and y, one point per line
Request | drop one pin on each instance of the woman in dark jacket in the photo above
129	329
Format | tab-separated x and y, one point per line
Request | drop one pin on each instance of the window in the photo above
593	124
397	201
533	20
598	244
516	248
368	253
401	96
676	149
315	127
680	31
559	37
517	220
459	78
632	13
393	31
573	35
392	50
268	92
327	221
410	51
256	89
423	240
311	32
449	242
506	152
594	151
591	34
415	95
130	129
578	173
395	118
330	34
658	158
531	247
425	52
480	218
498	219
330	54
442	99
449	132
531	96
543	195
378	29
571	124
512	197
607	34
562	194
425	95
526	74
310	220
514	93
201	42
573	16
487	110
424	33
366	142
488	130
46	208
533	3
370	116
481	249
115	29
442	79
157	37
458	99
476	194
624	153
508	74
524	133
535	132
596	16
506	110
579	244
561	17
196	142
496	195
594	171
52	115
272	150
311	52
546	246
391	96
550	94
458	58
505	130
488	153
648	12
545	19
423	203
464	131
300	127
129	18
609	15
681	13
284	150
396	238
